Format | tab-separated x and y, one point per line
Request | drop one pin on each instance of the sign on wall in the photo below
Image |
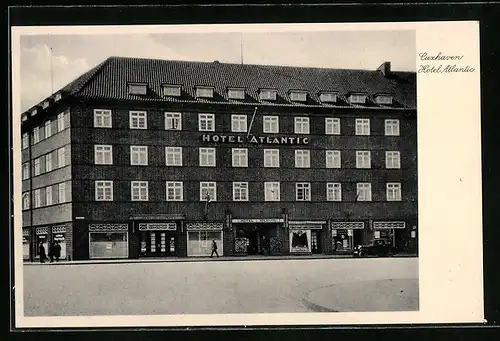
282	140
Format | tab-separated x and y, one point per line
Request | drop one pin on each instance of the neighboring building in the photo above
140	158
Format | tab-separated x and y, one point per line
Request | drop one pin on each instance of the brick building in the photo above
157	158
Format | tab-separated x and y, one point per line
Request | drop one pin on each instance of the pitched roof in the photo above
109	80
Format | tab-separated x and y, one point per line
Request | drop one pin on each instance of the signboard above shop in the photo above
238	139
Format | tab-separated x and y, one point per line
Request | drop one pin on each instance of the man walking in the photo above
57	251
214	249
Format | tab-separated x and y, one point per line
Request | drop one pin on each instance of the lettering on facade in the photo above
263	221
157	226
282	140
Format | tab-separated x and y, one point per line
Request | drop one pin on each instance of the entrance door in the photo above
316	241
158	244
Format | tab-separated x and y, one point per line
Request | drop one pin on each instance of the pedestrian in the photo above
51	251
57	251
214	249
41	253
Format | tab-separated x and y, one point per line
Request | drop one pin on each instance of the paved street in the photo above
211	287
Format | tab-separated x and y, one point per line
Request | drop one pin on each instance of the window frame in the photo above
207	152
25	141
37	166
361	187
61	156
199	92
174	185
212	187
100	117
357	98
239	123
177	89
335	156
270	122
241	188
26	170
48	196
132	87
175	151
36	135
334	96
26	200
239	154
393	191
172	117
304	155
272	94
392	159
139	152
362	127
48	162
391	127
139	185
384	99
332	126
48	128
301	122
241	91
298	96
271	154
106	150
361	156
62	186
333	188
138	115
272	183
104	185
207	118
37	198
306	186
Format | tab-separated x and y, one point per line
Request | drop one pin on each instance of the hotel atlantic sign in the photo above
238	139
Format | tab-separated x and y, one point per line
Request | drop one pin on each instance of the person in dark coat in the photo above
57	251
51	251
214	249
41	252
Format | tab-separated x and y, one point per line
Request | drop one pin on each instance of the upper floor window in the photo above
207	157
174	190
298	96
48	195
362	126
36	135
48	162
25	141
171	90
357	98
328	97
240	191
204	92
393	191
57	97
61	157
26	171
38	198
363	159
235	93
332	159
271	157
364	191
173	121
206	122
272	191
392	127
208	191
102	118
173	156
267	94
383	99
139	155
26	201
333	191
45	104
240	157
137	89
60	122
48	129
104	190
270	124
303	191
37	166
138	120
103	154
332	126
301	125
139	190
302	159
238	123
392	159
62	192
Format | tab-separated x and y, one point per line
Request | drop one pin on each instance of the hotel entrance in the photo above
158	239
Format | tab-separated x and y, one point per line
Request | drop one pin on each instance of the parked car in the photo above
379	248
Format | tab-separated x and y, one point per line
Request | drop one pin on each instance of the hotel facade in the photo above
157	158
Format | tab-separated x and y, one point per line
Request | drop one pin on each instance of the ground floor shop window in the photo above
26	247
300	241
346	240
200	242
258	239
158	243
42	240
108	244
60	238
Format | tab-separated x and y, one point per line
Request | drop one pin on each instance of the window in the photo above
26	171
25	142
48	129
60	122
38	199
383	99
333	159
333	191
173	156
271	157
206	122
328	97
364	191
138	120
171	90
48	162
363	159
270	124
303	191
238	123
332	126
48	196
62	192
103	155
392	160
362	126
301	125
139	155
36	135
102	118
392	127
207	157
104	190
208	190
272	191
57	97
240	191
236	93
393	191
357	99
37	166
204	92
298	96
61	157
45	104
174	191
26	201
139	190
266	94
240	157
137	89
173	121
302	159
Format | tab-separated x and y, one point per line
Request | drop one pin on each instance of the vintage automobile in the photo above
378	248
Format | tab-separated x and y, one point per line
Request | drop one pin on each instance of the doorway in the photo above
158	244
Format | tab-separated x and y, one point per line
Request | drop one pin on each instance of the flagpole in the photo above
251	122
51	73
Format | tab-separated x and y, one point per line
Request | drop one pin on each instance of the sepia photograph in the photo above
226	171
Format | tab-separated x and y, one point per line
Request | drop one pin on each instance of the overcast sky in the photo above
74	54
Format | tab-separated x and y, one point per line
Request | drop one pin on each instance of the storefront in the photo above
26	243
200	236
390	231
42	238
346	235
158	239
59	236
108	241
305	236
258	236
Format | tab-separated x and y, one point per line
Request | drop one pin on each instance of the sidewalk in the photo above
199	259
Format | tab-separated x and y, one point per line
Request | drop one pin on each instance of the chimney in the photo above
385	68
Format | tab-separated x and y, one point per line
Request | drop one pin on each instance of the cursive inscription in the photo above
429	67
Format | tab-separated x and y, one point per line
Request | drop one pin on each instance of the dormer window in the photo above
172	90
137	89
267	94
298	96
357	98
383	99
34	112
204	92
328	97
24	118
236	93
45	104
57	97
